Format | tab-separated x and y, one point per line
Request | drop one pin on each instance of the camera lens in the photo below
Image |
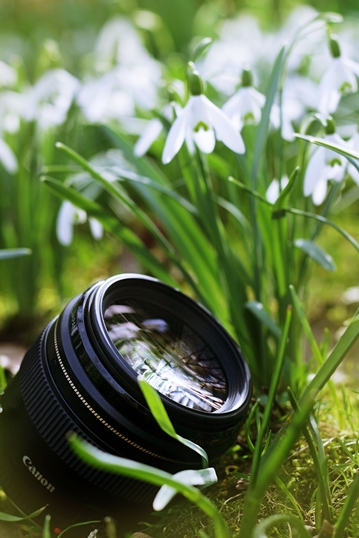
81	376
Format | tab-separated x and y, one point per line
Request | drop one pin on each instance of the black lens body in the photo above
74	379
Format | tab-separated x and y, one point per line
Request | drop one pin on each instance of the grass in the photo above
296	490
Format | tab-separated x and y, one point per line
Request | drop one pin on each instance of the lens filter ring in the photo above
152	329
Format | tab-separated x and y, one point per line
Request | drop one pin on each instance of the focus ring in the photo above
54	425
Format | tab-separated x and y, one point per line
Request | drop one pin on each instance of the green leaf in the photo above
46	533
75	525
14	253
159	412
350	154
264	317
306	326
262	129
316	253
260	530
14	519
324	220
201	47
349	505
285	192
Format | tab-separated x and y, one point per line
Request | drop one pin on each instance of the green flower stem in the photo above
324	221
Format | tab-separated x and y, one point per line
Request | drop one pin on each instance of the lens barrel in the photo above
81	376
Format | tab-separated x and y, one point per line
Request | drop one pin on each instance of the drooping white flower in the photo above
50	98
338	79
324	165
200	123
154	128
68	216
244	107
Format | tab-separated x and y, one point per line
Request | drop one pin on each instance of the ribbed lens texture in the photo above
168	354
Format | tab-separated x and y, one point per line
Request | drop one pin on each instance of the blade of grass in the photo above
159	412
75	525
260	531
316	447
349	505
269	405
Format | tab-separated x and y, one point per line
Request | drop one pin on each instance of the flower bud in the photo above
330	126
247	78
195	83
334	46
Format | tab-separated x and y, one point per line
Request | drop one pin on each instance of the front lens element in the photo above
168	354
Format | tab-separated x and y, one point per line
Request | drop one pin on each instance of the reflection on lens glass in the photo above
169	355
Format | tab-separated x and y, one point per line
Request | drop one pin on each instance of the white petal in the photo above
257	96
336	172
314	171
189	141
7	158
201	478
287	130
320	192
331	155
64	225
232	105
345	78
96	228
272	192
176	135
353	66
328	101
225	132
275	116
205	140
149	135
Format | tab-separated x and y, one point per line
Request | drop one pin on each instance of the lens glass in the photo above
168	354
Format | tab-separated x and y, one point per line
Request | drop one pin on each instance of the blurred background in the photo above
55	50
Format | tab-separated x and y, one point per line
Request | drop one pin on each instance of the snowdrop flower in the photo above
116	94
338	79
50	98
275	188
154	128
246	104
70	215
105	98
324	165
200	123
